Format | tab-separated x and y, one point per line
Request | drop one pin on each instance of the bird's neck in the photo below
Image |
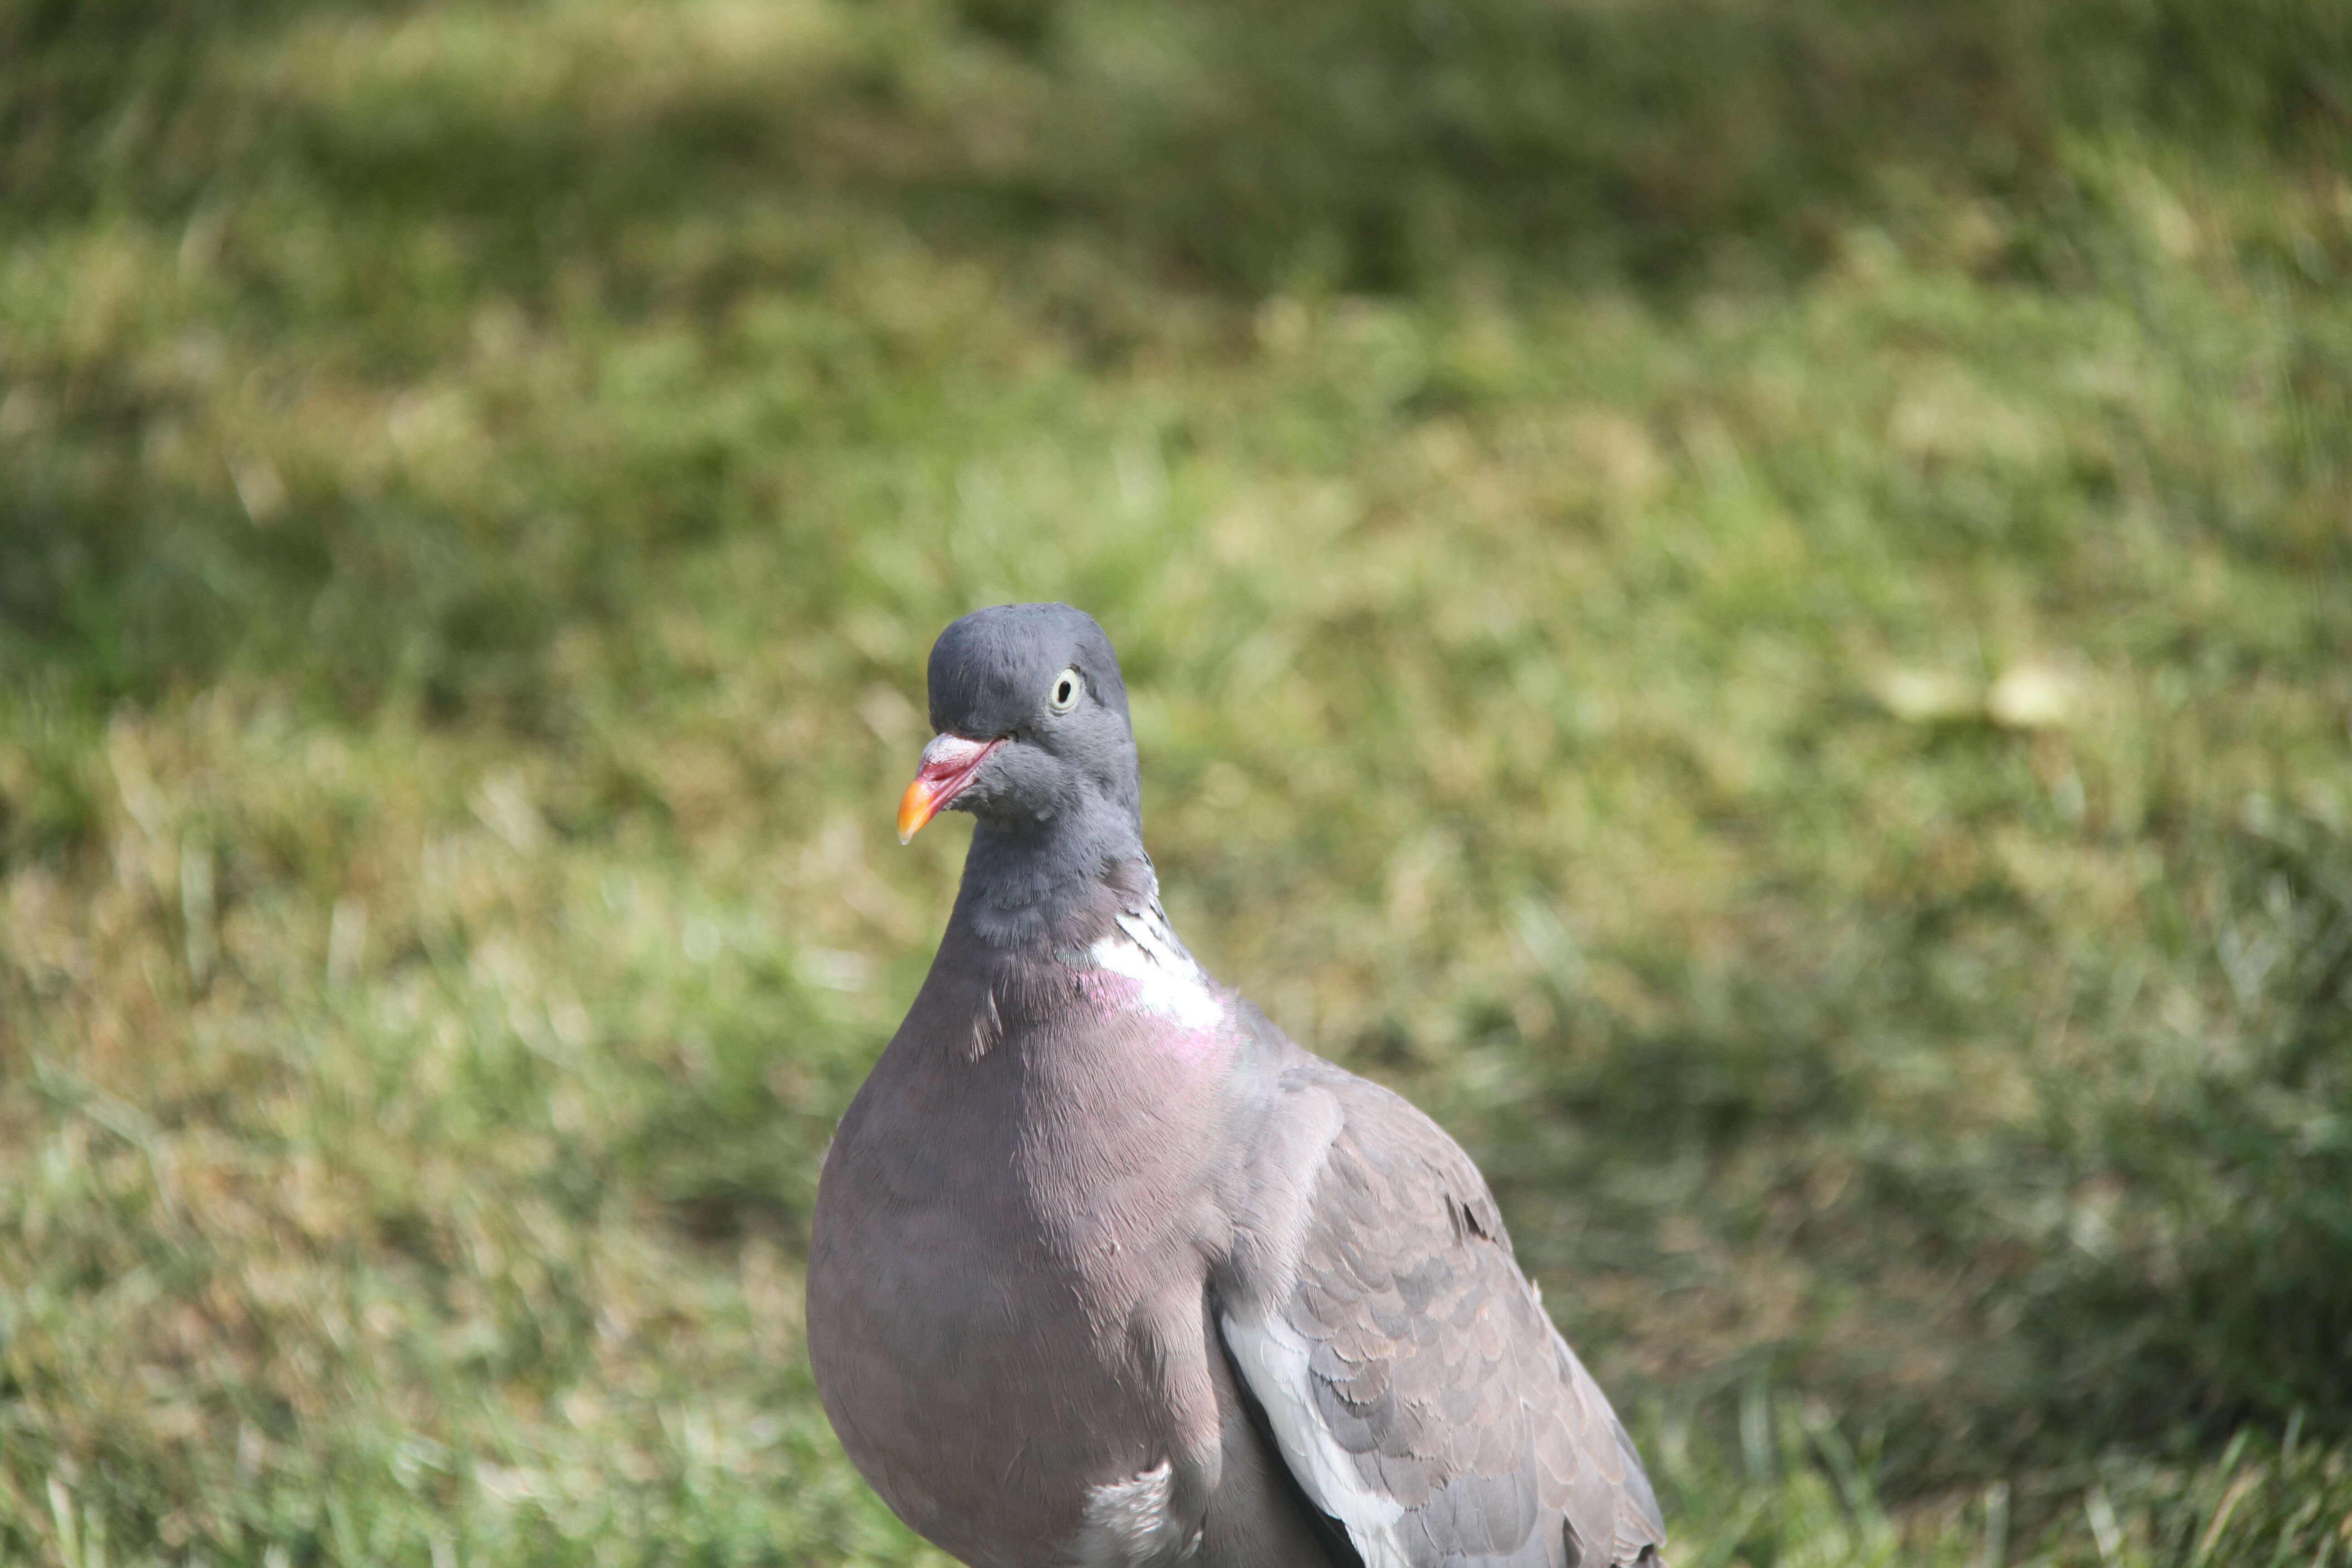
1044	884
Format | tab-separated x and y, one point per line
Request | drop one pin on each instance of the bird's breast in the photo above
975	1332
996	1233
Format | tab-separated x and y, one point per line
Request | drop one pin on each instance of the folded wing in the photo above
1410	1378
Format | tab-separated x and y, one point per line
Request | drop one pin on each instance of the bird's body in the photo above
1108	1271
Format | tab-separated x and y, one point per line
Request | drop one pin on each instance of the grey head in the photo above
1034	741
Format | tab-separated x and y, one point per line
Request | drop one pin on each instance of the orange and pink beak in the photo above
948	763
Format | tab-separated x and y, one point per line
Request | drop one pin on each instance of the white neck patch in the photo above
1144	950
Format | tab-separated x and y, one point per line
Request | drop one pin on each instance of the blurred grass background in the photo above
1750	601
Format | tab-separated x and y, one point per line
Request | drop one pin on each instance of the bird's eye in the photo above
1063	695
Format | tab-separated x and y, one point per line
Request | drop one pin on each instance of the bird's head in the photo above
1032	721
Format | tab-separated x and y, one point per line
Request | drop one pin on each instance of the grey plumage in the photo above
1106	1270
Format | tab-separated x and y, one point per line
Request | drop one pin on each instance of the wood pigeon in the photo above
1108	1273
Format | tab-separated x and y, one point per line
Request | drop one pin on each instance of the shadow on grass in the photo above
2212	1294
1370	142
2157	1265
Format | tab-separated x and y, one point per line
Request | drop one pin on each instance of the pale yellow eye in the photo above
1063	695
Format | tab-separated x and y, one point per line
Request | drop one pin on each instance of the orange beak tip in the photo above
915	808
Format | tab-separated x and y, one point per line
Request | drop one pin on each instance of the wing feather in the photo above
1411	1380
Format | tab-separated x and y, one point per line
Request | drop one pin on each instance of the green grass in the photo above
1750	603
